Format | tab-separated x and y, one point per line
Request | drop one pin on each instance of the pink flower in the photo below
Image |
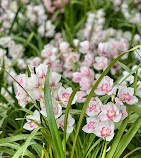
70	122
105	130
126	95
48	51
87	72
104	47
92	122
64	47
64	95
68	73
35	61
58	3
76	77
122	108
110	112
88	60
41	70
80	96
105	86
22	79
85	47
85	83
48	5
94	107
34	82
54	79
30	125
72	57
101	63
57	109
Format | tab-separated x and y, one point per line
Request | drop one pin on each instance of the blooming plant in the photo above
70	84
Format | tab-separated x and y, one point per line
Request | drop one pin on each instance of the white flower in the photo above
41	70
70	122
126	94
105	86
31	119
105	130
92	122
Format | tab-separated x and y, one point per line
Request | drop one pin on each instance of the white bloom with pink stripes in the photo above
110	112
31	119
126	94
70	122
105	130
92	122
105	86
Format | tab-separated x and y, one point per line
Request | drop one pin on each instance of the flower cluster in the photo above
101	118
81	63
34	13
34	86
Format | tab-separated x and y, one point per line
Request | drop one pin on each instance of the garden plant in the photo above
70	78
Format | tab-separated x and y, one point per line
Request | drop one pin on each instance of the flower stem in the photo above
104	151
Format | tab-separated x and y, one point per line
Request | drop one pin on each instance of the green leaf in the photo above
131	152
91	94
93	146
15	138
24	41
51	120
126	68
133	71
134	108
127	138
22	149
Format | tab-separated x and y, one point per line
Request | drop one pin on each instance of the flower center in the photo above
31	125
105	132
65	96
127	96
92	107
111	113
91	124
104	86
101	64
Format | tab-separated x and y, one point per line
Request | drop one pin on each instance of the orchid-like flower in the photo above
122	108
88	60
110	112
57	109
126	94
101	63
92	122
31	119
41	70
85	83
105	86
105	130
76	77
80	96
70	122
64	47
64	95
54	79
85	47
94	107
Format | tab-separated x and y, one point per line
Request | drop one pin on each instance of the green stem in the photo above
104	151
